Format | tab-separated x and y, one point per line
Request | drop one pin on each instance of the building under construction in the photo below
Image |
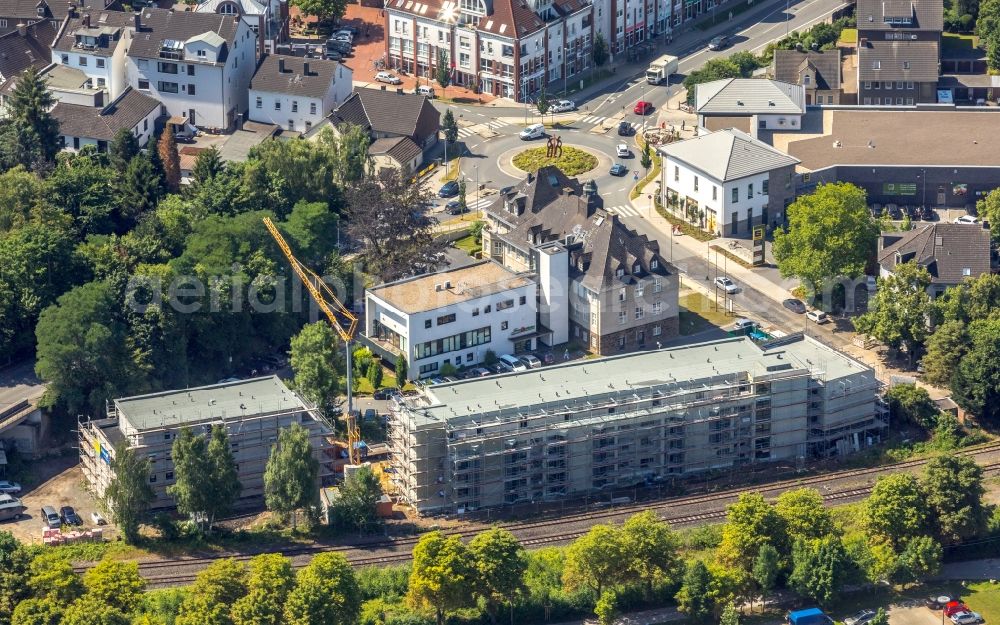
591	426
253	412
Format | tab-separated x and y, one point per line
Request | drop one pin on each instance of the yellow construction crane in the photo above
341	318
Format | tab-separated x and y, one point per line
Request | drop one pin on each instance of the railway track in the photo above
535	534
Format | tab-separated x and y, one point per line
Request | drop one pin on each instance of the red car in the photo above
643	108
954	607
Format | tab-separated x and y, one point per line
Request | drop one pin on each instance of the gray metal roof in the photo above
915	61
206	404
749	96
159	26
728	154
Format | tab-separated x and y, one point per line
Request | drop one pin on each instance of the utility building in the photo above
253	411
591	426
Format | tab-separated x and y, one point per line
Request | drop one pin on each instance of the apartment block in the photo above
899	51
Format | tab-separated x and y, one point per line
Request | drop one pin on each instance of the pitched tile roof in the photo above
17	53
248	7
950	252
925	14
728	155
511	18
441	10
400	149
57	9
294	80
102	123
825	64
109	21
549	206
921	58
389	112
749	96
159	25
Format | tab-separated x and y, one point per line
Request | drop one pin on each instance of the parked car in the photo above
500	367
718	43
448	189
533	131
513	362
817	316
563	106
9	488
618	170
927	213
967	219
424	90
726	284
794	305
743	324
966	618
69	516
388	77
333	55
455	207
894	212
954	607
50	517
532	362
383	393
11	507
936	602
643	108
344	35
370	414
860	618
622	150
479	372
625	129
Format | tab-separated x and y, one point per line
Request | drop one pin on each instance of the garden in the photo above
572	161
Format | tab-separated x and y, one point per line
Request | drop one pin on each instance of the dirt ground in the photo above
63	488
913	615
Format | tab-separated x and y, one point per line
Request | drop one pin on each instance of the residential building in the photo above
27	46
506	48
27	12
198	65
82	124
951	253
817	71
726	182
297	93
391	114
96	44
253	412
453	317
395	153
750	104
268	19
899	44
600	283
589	427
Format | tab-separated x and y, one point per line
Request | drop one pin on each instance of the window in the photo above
142	63
488	309
657	285
65	59
152	478
503	325
909	101
99	62
427	324
621	317
899	85
876	85
170	475
166	68
190	89
312	108
657	308
638	289
906	65
522	301
715	192
764	187
167	87
291	124
736	195
750	191
621	342
504	305
909	84
868	85
876	64
696	183
443	319
83	61
295	106
639	312
201	55
143	85
656	330
475	312
621	295
677	173
260	102
805	79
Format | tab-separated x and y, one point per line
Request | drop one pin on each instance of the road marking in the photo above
593	119
624	211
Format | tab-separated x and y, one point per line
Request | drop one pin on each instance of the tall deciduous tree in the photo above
694	598
117	584
975	384
442	74
14	561
542	102
326	591
820	568
226	485
766	567
442	574
953	487
804	514
500	563
318	364
206	484
898	313
646	159
401	370
945	349
730	615
124	147
896	510
600	51
751	522
356	508
36	611
351	155
90	610
292	473
650	549
909	402
129	494
270	581
323	9
207	166
596	560
167	148
215	590
920	559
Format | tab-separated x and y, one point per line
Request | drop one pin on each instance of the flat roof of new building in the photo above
945	138
229	400
574	382
427	292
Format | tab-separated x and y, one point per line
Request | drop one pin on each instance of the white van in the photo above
425	90
533	131
514	363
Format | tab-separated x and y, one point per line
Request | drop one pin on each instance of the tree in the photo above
317	364
953	489
650	549
542	102
14	560
646	160
898	314
215	590
820	568
52	576
207	166
595	560
766	567
325	10
29	106
751	522
881	618
356	507
442	73
909	402
944	350
401	370
40	611
129	494
291	476
896	509
600	52
606	608
206	483
167	149
449	127
351	153
730	615
90	610
225	479
500	563
138	190
461	194
804	514
124	147
269	583
441	574
830	234
117	584
975	384
375	375
694	599
920	559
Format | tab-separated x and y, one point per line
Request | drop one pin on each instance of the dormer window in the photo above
654	264
637	268
619	272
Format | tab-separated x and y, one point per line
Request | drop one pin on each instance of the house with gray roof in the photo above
951	253
601	284
899	44
27	46
296	93
14	13
264	17
81	125
769	104
817	71
726	182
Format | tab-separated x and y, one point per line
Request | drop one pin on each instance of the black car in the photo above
371	414
794	305
625	129
718	43
69	516
912	211
618	170
333	55
506	190
455	207
894	212
384	393
927	213
448	189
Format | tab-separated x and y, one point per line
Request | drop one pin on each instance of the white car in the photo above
388	77
533	131
817	316
727	285
9	488
97	519
966	618
622	150
532	362
967	219
563	106
744	324
515	364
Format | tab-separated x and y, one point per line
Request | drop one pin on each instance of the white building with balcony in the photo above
96	44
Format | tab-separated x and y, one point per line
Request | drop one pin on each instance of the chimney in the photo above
138	20
399	90
71	9
22	29
281	66
86	20
305	69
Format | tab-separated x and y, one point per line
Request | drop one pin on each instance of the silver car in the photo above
563	106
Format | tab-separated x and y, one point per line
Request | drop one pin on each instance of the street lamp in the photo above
476	167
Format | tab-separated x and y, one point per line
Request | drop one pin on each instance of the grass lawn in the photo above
957	43
849	36
573	161
454	168
699	313
469	245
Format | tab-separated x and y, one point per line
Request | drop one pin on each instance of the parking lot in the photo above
65	488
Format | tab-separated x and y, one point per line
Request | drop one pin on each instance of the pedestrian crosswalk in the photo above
593	119
468	131
475	205
625	211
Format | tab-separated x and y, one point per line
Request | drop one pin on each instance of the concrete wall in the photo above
951	187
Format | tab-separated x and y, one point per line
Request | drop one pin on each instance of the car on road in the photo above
726	284
967	219
563	106
860	618
532	362
817	316
533	131
718	43
388	77
9	488
618	170
966	618
448	189
622	150
69	516
643	108
50	517
333	55
794	305
625	129
455	207
513	362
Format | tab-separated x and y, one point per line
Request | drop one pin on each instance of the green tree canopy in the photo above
215	590
318	363
650	549
326	591
269	582
116	584
694	598
975	384
600	50
205	481
596	560
751	522
40	611
953	488
896	510
766	567
898	314
944	350
291	477
449	127
820	569
920	559
804	514
442	574
500	563
909	402
356	508
29	106
129	494
91	610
